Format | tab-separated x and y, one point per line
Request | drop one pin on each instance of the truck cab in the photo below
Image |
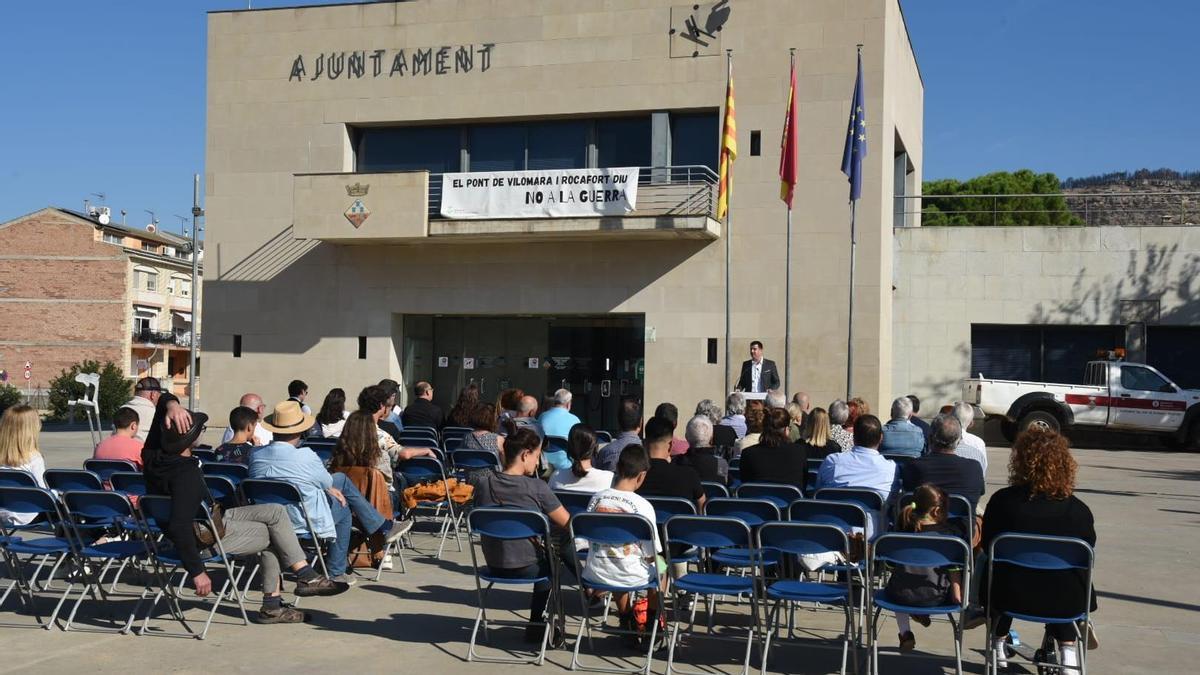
1138	397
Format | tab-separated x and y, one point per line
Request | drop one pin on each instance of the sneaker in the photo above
1000	651
908	642
386	565
347	578
922	619
399	529
319	586
283	614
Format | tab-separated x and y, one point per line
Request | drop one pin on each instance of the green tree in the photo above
9	396
990	203
114	389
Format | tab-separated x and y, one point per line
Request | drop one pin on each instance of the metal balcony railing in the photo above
154	337
689	190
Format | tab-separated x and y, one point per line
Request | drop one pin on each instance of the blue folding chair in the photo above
33	500
709	534
849	517
419	439
614	529
128	483
231	470
811	471
919	550
323	453
455	432
451	445
714	490
735	472
269	491
90	514
754	513
222	490
603	436
62	480
427	430
17	478
157	512
205	456
430	470
960	510
1033	554
781	494
573	502
665	507
798	539
870	500
464	461
315	442
106	467
509	524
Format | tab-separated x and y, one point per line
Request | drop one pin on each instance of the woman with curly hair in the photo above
460	414
1039	499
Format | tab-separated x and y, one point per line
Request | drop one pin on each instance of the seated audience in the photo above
900	436
665	478
518	486
971	446
298	391
527	409
391	422
724	437
243	420
862	467
943	467
331	500
483	435
632	563
839	412
145	399
423	411
817	435
670	413
755	412
775	398
261	435
1039	499
508	404
916	417
928	511
333	414
796	426
373	401
581	476
856	407
775	459
359	446
262	529
19	430
557	420
123	444
468	398
629	421
735	413
801	399
702	456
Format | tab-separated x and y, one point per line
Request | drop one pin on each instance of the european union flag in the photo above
856	137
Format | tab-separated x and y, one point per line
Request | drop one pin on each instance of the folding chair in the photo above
509	524
323	453
665	507
870	500
42	502
851	518
231	470
754	513
713	490
62	480
106	467
735	472
128	483
603	436
574	502
707	534
269	491
555	452
455	432
451	445
919	550
1035	553
313	442
222	490
427	430
613	529
781	494
464	461
89	513
16	478
157	511
426	470
806	539
811	470
205	456
419	439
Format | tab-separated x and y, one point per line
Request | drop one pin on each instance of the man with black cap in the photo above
146	394
264	529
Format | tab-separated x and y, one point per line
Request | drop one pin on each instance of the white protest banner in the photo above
552	193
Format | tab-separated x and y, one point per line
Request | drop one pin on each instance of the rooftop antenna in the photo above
100	195
153	226
183	223
123	212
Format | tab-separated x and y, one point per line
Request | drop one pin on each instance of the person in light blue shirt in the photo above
558	420
331	500
735	413
900	436
862	467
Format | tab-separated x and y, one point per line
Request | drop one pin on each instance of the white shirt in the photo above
145	412
595	481
975	449
627	564
334	430
37	467
261	436
755	376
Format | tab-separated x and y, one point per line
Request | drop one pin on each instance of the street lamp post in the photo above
197	214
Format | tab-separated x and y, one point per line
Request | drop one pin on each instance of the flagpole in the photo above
850	321
787	275
728	225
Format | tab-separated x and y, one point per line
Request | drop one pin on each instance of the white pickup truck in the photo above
1117	395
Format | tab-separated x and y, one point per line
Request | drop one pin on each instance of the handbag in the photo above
204	536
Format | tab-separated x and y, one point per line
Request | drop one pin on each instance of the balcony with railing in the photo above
407	207
167	338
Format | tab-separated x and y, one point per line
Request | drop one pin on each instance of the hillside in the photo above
1142	197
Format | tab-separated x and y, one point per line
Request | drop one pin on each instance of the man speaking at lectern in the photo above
758	374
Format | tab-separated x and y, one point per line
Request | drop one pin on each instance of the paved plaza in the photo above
1147	508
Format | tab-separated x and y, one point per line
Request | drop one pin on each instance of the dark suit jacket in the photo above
422	413
769	378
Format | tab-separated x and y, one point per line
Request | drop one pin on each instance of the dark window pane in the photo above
623	141
1171	349
1005	352
1069	348
434	149
694	140
498	147
557	145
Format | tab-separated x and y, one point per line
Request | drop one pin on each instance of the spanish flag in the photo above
728	152
787	146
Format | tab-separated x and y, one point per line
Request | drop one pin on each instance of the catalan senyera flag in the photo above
728	153
788	146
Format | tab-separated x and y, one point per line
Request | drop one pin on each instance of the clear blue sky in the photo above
109	96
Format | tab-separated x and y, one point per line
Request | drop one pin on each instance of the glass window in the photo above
149	248
556	145
434	149
113	239
1142	379
497	147
623	141
695	139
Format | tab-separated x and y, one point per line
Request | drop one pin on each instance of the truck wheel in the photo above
1040	419
1008	429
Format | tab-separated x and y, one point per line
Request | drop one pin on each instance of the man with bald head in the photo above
261	436
527	410
423	412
